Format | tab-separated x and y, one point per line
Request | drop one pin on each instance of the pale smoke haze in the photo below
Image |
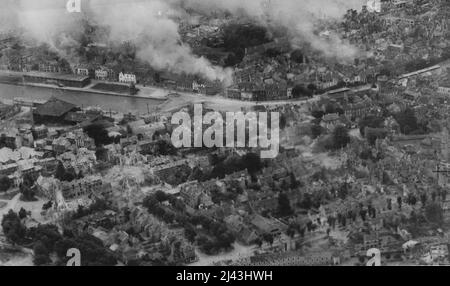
156	36
299	17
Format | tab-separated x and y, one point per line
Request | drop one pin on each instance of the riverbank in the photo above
15	78
94	91
150	99
138	106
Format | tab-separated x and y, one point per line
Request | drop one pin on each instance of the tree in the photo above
297	56
129	130
434	213
190	233
61	246
291	231
150	202
5	183
267	237
70	175
22	213
341	138
283	121
28	193
236	38
318	114
252	162
284	206
330	108
312	87
41	254
399	202
160	196
47	205
306	202
301	91
60	171
294	182
272	53
316	130
343	191
99	134
165	148
370	121
412	200
407	121
372	134
29	180
363	214
423	199
13	228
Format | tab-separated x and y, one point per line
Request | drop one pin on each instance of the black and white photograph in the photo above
231	134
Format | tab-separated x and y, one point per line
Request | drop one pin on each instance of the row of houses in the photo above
249	91
291	259
104	73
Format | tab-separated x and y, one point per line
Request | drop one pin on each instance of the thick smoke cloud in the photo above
147	25
140	22
299	17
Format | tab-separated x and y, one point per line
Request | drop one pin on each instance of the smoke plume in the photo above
299	17
147	24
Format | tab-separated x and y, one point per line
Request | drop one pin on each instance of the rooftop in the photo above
57	76
420	71
55	107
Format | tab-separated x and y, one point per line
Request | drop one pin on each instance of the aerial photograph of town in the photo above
224	133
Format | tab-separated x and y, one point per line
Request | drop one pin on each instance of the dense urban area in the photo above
364	158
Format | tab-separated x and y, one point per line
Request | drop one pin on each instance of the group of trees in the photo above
46	240
97	206
371	121
408	122
100	135
284	205
233	190
231	164
374	125
28	189
419	63
297	56
164	148
214	237
13	229
434	213
5	183
153	203
236	38
372	134
339	138
66	175
316	131
333	108
302	91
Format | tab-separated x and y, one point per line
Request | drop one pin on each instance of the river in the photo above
106	102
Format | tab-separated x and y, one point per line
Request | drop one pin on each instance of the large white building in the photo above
127	78
444	88
374	6
101	74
